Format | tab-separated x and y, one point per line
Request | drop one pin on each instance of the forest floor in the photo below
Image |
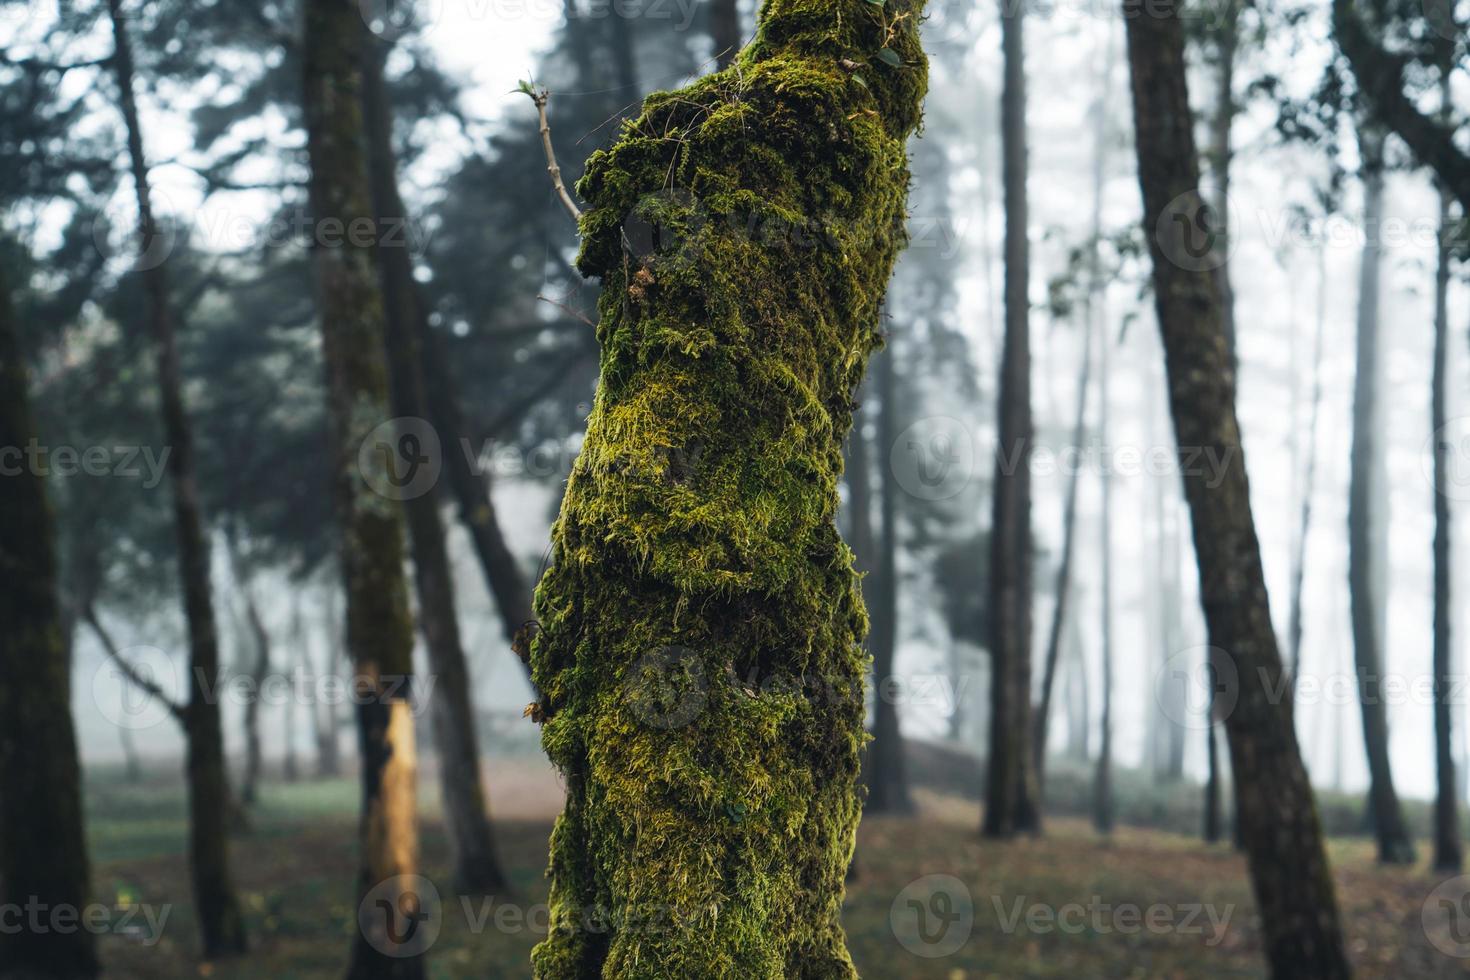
1141	904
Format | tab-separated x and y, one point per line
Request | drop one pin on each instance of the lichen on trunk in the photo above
700	656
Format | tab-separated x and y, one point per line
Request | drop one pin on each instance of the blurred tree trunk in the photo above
221	926
888	790
476	867
724	30
260	638
1102	789
44	855
698	584
1010	784
1079	718
1064	563
290	764
324	717
1448	853
1309	482
1288	862
379	625
1394	844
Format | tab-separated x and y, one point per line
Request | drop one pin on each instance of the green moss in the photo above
700	654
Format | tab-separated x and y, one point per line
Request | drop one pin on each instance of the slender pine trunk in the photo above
456	741
1102	788
221	926
724	30
1394	843
1293	886
888	790
1010	784
1309	481
1448	852
388	944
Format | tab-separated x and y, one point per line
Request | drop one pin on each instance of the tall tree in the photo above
697	532
44	858
1283	836
724	29
476	868
1010	780
221	926
888	790
379	625
1394	844
1309	480
1448	852
1102	789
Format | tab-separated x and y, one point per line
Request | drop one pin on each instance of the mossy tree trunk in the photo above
476	868
44	856
388	943
700	652
1010	781
1386	813
221	926
1283	836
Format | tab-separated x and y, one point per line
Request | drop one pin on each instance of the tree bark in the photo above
379	625
476	867
1448	852
221	926
1288	862
1010	790
1394	844
700	656
44	857
888	790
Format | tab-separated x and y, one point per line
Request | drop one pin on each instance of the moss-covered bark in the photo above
701	623
43	857
379	625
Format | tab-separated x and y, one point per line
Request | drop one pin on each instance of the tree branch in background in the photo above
1380	76
540	97
129	669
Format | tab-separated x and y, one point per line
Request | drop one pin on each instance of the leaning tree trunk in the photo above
1387	817
1010	782
888	790
700	652
1309	483
1448	853
261	639
476	867
379	625
44	856
1283	836
222	929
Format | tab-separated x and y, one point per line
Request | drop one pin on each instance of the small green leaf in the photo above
877	3
890	57
860	80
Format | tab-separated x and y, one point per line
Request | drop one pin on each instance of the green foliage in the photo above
744	229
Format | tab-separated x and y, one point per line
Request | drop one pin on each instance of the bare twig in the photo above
541	97
130	671
566	309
